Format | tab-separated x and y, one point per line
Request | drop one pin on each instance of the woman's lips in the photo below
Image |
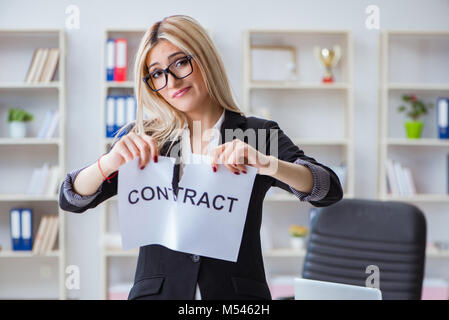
181	92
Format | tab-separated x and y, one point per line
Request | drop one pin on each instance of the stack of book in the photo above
48	128
116	59
43	65
399	178
21	227
44	181
47	232
120	110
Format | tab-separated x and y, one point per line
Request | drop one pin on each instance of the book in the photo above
53	181
53	231
33	181
53	125
130	109
409	181
443	117
121	59
16	240
32	66
43	179
120	112
50	65
110	59
399	177
26	225
45	124
40	235
40	65
110	116
391	178
45	238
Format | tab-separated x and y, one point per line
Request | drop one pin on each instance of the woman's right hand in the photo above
129	147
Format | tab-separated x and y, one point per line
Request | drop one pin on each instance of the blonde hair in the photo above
187	34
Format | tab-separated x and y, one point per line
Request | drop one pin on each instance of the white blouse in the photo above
188	156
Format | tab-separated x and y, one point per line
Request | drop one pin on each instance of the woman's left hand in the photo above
236	154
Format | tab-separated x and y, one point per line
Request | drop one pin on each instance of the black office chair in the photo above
347	237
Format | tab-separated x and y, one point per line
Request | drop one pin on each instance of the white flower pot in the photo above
297	243
17	129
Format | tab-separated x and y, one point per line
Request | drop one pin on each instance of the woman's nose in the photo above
172	81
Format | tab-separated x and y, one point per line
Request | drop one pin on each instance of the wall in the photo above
225	19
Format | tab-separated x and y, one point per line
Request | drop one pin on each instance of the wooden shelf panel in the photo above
30	141
417	198
296	85
272	253
424	142
28	254
23	85
26	197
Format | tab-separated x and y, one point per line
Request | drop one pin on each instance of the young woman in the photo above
180	82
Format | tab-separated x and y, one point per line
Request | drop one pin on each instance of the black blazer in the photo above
163	273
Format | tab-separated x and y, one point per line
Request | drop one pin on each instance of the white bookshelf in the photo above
108	215
289	103
260	95
22	271
413	62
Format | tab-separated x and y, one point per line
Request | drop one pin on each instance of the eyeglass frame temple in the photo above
166	71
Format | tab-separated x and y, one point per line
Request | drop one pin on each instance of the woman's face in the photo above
161	56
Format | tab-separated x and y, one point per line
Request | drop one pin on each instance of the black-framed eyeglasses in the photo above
180	68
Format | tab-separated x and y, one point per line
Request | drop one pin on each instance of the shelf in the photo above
28	254
121	253
292	253
22	85
320	141
29	141
116	84
296	85
272	253
26	197
281	197
17	57
262	31
418	86
417	197
284	253
424	142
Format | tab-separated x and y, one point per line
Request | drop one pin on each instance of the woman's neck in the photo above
200	124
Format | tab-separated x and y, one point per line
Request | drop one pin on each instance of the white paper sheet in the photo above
207	218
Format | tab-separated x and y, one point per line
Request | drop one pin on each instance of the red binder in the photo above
121	58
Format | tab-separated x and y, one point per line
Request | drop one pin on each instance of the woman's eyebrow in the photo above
169	57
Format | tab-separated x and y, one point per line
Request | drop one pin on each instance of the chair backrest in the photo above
354	238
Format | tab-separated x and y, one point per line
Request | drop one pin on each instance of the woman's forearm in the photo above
295	175
89	179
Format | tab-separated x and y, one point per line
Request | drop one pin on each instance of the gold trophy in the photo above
329	58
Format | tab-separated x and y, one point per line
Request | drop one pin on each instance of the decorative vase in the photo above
17	129
413	129
297	243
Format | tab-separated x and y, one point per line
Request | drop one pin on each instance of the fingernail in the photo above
244	171
155	158
236	172
143	167
214	168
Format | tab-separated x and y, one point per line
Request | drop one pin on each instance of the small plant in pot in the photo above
297	236
417	108
17	119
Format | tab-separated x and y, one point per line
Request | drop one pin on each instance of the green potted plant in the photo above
417	108
17	119
297	236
